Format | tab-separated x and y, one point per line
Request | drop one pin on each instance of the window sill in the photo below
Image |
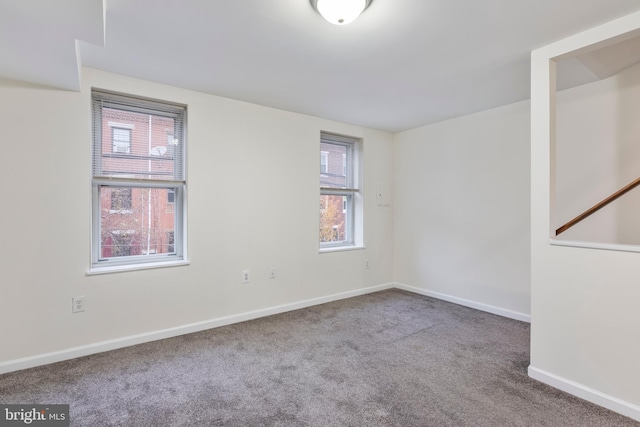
341	249
593	245
108	269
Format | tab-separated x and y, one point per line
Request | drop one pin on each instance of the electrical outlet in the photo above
77	304
272	273
246	276
366	263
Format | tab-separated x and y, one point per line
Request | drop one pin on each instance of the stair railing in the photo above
598	206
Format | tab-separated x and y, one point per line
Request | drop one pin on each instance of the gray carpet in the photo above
386	359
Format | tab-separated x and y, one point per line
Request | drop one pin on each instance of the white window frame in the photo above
178	184
352	169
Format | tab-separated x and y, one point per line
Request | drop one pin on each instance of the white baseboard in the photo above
86	350
467	303
594	396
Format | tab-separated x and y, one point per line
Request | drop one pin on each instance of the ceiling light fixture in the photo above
340	12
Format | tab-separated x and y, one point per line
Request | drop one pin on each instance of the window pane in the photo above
139	151
333	218
135	221
135	138
334	173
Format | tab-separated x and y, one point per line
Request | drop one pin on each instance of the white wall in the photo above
252	204
584	302
597	153
462	209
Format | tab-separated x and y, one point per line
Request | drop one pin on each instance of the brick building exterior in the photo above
333	173
136	220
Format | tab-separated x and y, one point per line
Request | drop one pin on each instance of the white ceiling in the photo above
402	64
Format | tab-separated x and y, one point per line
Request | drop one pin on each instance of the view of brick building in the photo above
136	220
333	208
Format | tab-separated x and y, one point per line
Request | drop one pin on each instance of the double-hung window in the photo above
139	182
340	204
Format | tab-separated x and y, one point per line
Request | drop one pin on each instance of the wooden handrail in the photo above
599	206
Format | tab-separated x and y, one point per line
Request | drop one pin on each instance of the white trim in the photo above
594	245
99	347
467	303
594	396
108	269
340	248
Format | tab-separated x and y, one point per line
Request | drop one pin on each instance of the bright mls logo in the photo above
34	415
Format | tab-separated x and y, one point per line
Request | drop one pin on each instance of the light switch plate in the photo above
383	195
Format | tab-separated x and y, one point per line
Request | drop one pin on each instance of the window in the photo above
121	140
344	165
171	201
169	241
138	183
120	199
324	162
340	204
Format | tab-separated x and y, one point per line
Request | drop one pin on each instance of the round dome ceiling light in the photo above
340	12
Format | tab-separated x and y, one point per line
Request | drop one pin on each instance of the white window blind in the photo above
338	172
153	155
139	180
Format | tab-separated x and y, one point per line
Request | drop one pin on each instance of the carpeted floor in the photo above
386	359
